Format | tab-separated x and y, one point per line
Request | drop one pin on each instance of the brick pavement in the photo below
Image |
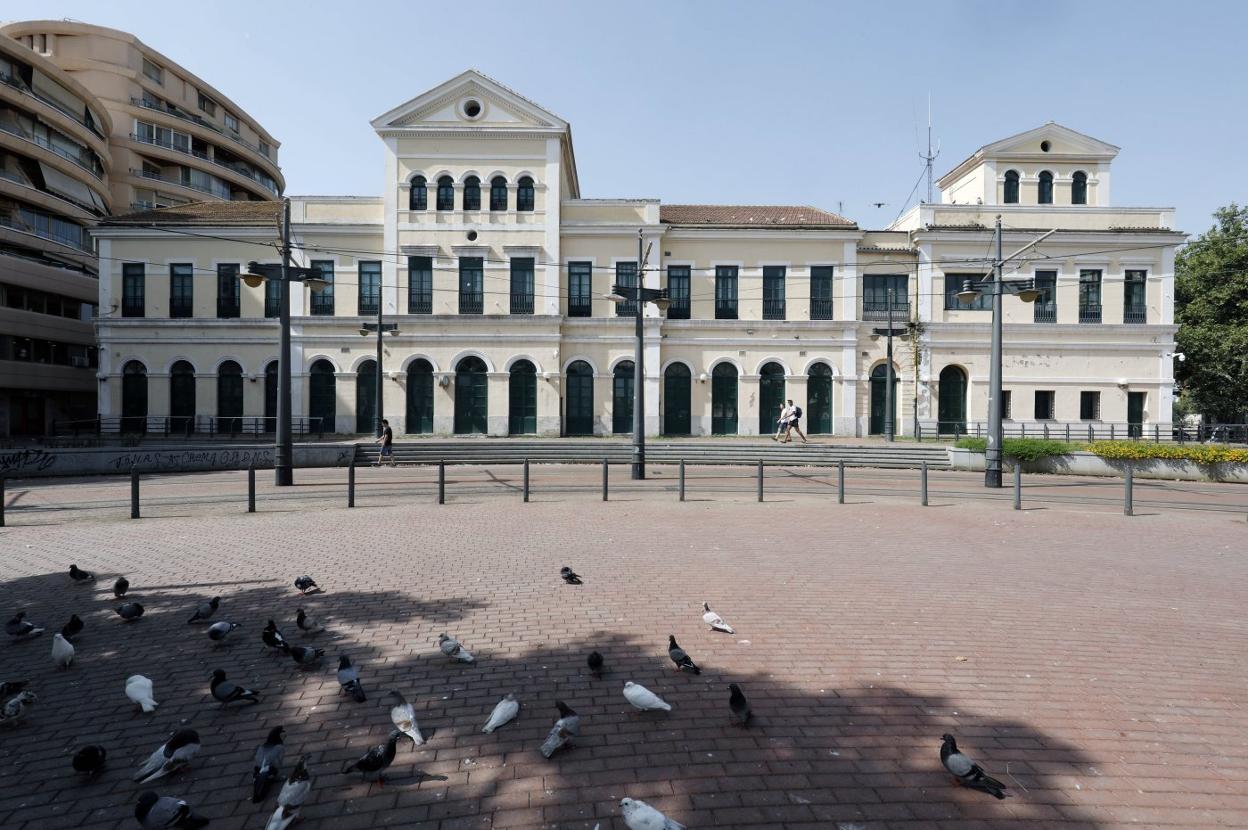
1092	662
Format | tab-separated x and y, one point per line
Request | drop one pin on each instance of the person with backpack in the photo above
782	423
386	440
794	423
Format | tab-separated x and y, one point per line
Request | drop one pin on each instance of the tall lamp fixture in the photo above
890	428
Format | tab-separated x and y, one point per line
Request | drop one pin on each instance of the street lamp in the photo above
904	333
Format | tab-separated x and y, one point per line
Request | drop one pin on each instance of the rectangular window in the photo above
580	289
1134	304
133	290
272	298
369	296
265	149
1089	296
227	291
1090	406
231	121
773	292
419	285
725	292
956	282
626	278
322	302
207	104
181	290
471	285
821	292
1007	411
153	72
876	296
1044	405
678	292
1045	307
522	285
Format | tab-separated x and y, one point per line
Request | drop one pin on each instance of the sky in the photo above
820	103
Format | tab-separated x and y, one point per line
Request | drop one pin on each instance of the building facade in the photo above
496	271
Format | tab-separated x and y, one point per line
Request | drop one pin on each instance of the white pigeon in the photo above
403	716
139	690
62	651
639	815
452	649
643	698
290	799
715	621
173	755
504	712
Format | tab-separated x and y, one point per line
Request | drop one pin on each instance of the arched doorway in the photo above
419	397
676	407
580	414
322	396
134	397
471	396
182	398
770	397
270	396
878	395
724	399
622	380
951	407
819	399
229	397
522	399
366	397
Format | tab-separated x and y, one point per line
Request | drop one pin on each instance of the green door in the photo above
819	399
1135	414
878	396
951	408
580	401
366	397
622	398
182	398
770	398
471	397
420	398
270	396
676	392
322	396
522	399
724	400
134	397
229	398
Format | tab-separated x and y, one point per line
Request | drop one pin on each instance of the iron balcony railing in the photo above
233	167
19	85
322	305
1135	314
679	309
38	140
227	307
368	305
521	302
878	310
32	223
580	307
773	309
820	309
195	119
419	303
1089	312
181	308
471	302
725	309
1044	313
221	192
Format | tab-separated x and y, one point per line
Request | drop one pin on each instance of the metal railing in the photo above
40	141
725	310
20	86
1044	313
233	167
1135	315
773	309
878	310
14	221
172	426
227	308
222	192
181	308
195	119
471	302
679	309
580	307
522	302
1083	431
419	303
820	309
1089	312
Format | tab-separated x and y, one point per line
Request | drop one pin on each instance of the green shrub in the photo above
1199	453
1024	449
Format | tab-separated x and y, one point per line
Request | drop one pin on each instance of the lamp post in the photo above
889	333
381	328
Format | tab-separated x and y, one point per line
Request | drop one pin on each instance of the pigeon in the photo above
16	707
159	811
306	624
638	815
349	679
403	716
219	632
570	576
62	651
452	649
683	661
120	587
173	755
968	773
20	628
11	687
565	729
504	712
715	621
307	584
372	764
595	664
205	610
227	692
268	764
130	612
305	656
139	690
644	699
290	799
739	706
273	638
90	759
80	577
72	628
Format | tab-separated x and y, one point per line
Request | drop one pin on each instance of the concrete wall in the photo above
38	462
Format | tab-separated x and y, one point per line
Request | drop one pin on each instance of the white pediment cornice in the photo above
1065	145
439	109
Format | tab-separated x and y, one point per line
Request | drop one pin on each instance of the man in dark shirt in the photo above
386	440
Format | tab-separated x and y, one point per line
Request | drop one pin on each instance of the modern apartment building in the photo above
496	271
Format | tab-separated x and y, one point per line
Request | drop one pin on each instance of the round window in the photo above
472	108
472	236
1044	146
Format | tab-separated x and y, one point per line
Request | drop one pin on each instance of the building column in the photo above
845	414
498	403
654	374
747	405
548	404
795	387
443	403
344	409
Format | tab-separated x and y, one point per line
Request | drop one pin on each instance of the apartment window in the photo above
821	292
446	193
1079	188
272	298
524	194
370	287
1044	405
1134	309
876	296
153	72
471	285
322	302
1089	406
956	282
773	292
133	290
1044	309
725	292
678	292
1007	411
498	193
1044	195
418	195
207	104
472	193
580	289
231	121
522	285
181	290
419	285
1089	296
1011	187
227	291
265	149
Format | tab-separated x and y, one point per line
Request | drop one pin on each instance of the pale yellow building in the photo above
495	269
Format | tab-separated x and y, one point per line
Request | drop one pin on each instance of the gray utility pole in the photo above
380	394
283	457
889	426
639	374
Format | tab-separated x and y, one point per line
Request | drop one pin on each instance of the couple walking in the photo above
789	420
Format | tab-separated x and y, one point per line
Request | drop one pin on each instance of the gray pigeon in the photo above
968	773
19	628
452	649
90	759
504	712
219	632
304	656
161	811
565	729
307	584
227	692
403	716
205	610
738	705
15	707
173	755
290	799
79	576
682	660
120	587
373	764
306	624
349	679
130	612
268	764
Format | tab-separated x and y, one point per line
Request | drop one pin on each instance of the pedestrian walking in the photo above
386	439
795	423
782	422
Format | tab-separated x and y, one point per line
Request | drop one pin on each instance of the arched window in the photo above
419	397
182	398
366	397
724	399
472	193
522	399
229	397
1011	187
471	396
524	193
770	397
498	193
322	397
270	396
134	397
418	196
879	398
819	399
622	380
446	193
677	383
1045	193
580	400
1079	188
951	405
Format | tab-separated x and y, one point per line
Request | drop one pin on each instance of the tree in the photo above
1211	308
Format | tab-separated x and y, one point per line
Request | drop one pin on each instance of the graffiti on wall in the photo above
174	460
32	460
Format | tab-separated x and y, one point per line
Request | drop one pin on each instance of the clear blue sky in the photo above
825	102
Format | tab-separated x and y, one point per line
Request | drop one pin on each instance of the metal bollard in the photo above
604	479
840	482
1018	486
251	488
442	482
526	480
134	492
682	479
923	485
351	484
760	479
1128	506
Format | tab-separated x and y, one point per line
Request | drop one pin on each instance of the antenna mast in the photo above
931	155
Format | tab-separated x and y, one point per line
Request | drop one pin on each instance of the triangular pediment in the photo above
471	101
1061	141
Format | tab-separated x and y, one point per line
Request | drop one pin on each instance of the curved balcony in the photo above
53	202
155	177
250	182
41	148
215	133
15	91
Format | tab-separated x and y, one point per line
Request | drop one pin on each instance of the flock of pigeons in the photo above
156	811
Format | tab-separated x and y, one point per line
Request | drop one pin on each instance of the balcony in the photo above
368	305
233	167
1136	315
773	309
227	307
133	308
419	303
40	141
220	193
878	310
1044	313
1089	312
322	303
159	106
181	307
679	309
522	303
471	302
725	309
820	309
17	84
580	307
46	227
